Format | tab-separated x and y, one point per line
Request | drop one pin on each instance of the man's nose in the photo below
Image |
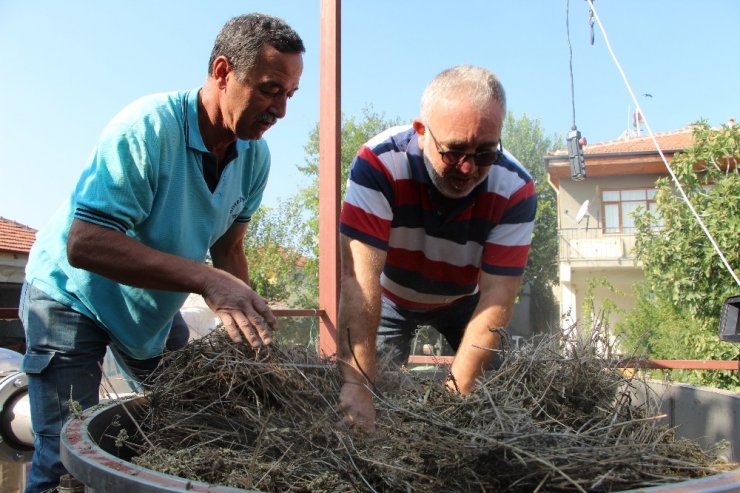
279	106
467	165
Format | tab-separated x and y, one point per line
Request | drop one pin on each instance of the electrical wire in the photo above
660	151
570	62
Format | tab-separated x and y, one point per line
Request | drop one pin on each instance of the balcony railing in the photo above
589	245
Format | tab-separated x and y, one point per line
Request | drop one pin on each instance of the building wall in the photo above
573	193
614	299
587	254
12	267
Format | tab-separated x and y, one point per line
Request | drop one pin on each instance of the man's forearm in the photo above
477	347
228	253
356	334
479	342
235	264
116	256
359	310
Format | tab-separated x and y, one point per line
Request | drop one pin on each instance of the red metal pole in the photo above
329	173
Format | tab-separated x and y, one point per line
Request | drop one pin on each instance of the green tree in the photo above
525	139
282	267
279	253
355	132
679	260
685	276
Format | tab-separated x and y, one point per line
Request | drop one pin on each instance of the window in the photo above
620	205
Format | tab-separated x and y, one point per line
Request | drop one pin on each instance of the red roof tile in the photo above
676	140
15	237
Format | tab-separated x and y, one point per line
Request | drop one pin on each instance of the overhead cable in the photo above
660	152
575	150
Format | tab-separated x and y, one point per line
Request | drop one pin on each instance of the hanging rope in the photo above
570	63
660	152
575	151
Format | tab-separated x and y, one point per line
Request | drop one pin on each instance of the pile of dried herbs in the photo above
552	418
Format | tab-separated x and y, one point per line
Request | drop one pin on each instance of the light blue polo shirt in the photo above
145	179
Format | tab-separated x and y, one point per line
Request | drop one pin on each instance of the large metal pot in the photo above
90	454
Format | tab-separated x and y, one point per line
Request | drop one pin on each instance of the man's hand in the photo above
242	311
356	406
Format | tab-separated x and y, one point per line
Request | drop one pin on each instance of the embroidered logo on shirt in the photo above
237	207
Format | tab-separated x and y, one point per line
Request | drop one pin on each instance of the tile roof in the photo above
676	140
668	141
15	237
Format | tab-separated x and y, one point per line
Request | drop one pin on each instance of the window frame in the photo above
648	203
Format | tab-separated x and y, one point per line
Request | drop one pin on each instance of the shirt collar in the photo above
193	137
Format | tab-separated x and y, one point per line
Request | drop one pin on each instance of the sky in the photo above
66	68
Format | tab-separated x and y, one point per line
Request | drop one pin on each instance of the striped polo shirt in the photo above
436	246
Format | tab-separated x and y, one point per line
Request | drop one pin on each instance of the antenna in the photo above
582	211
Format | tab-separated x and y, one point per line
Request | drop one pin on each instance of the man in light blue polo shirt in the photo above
174	177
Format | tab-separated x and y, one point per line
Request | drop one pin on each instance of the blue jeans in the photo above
399	326
63	359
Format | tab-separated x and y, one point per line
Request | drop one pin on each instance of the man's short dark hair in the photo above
242	38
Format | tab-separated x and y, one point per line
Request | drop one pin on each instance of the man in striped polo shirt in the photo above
435	230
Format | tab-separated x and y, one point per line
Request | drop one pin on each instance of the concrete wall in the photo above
521	318
12	266
572	194
702	414
573	293
596	260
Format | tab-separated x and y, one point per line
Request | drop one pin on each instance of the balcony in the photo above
594	248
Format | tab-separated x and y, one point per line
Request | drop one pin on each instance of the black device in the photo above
575	155
729	321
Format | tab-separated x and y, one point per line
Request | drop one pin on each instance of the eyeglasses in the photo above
456	158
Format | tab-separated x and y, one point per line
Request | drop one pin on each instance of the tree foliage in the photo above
525	139
659	329
355	132
685	276
679	261
278	248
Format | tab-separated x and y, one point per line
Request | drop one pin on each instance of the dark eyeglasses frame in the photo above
456	158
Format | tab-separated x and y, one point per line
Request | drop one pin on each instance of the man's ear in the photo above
420	131
220	69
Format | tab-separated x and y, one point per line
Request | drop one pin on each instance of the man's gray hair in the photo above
241	39
477	84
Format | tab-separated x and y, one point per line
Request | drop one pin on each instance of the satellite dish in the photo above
582	211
